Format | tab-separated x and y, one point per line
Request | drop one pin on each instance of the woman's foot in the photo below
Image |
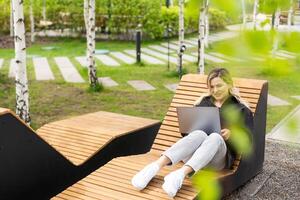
142	178
173	182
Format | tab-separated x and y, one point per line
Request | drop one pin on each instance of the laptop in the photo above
206	119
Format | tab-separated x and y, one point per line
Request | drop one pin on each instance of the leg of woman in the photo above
212	151
177	152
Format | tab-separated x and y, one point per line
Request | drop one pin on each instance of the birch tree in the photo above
244	13
31	21
44	10
206	23
276	25
201	36
89	18
181	36
255	8
22	94
11	20
290	15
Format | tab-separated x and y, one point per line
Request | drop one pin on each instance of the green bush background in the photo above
119	17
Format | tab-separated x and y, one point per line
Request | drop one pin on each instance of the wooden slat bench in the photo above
113	181
40	166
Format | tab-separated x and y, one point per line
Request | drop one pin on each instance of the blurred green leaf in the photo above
207	184
239	138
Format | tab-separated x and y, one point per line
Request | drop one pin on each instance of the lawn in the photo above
54	100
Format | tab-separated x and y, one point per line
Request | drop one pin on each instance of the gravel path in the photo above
280	178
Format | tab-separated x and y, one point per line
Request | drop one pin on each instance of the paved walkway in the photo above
107	60
12	69
275	101
68	71
140	85
288	129
42	69
1	62
107	82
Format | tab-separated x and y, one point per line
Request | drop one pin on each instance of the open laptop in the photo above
198	118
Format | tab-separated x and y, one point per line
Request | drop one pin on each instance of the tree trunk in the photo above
276	25
206	23
89	8
31	22
255	13
11	20
44	11
180	36
201	39
244	14
290	15
22	94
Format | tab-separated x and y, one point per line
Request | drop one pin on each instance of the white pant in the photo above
198	150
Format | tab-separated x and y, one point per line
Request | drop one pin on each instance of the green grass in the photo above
54	100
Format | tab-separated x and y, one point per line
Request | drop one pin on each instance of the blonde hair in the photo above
225	76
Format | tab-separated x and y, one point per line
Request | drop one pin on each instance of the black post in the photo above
168	36
138	43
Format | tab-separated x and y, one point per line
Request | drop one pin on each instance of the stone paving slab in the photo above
107	60
288	129
68	71
189	58
172	46
160	48
140	85
288	52
211	58
107	82
296	97
82	60
1	62
188	45
275	101
146	58
42	69
172	87
194	43
159	55
123	57
225	57
281	54
12	69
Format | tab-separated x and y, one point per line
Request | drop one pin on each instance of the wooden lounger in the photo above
40	166
113	181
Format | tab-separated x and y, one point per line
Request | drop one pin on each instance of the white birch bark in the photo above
11	20
244	13
276	25
22	94
180	35
32	34
89	8
44	11
255	13
290	15
201	38
206	23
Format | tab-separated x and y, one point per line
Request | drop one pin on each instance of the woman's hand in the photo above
225	133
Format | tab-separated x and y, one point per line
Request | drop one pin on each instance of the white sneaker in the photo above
173	182
142	178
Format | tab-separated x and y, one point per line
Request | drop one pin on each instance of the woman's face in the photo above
219	89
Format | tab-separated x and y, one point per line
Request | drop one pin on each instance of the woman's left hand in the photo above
225	133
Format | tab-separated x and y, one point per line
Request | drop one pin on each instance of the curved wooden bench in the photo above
113	181
40	166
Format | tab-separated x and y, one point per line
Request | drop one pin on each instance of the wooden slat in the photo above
79	138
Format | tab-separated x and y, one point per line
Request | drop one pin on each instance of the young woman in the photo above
199	149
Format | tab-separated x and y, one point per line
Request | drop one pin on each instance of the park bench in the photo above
43	164
113	180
